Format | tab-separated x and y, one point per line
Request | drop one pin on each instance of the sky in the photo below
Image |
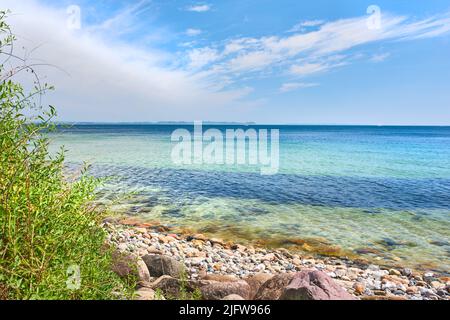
378	62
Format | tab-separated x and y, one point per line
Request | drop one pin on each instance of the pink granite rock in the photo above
314	285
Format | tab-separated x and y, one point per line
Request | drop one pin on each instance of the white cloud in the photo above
108	80
308	68
113	80
290	86
125	21
380	57
306	24
321	49
193	32
199	8
202	57
252	61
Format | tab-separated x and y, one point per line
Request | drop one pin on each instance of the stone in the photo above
269	257
170	286
200	236
394	272
159	265
407	272
445	280
273	288
359	288
412	290
394	279
442	293
140	230
145	294
127	265
255	282
437	285
260	267
218	290
297	262
196	261
388	286
217	266
153	250
395	298
421	283
220	278
233	297
314	285
197	243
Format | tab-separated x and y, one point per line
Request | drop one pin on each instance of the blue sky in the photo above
316	62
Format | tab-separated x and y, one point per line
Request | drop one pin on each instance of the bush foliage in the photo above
49	228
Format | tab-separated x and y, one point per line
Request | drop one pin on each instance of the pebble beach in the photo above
205	258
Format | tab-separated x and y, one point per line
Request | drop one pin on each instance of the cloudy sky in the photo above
326	62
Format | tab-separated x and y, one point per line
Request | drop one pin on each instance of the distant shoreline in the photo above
169	123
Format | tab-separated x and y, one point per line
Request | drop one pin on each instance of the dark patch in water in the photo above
440	243
390	244
174	212
374	251
329	191
151	201
371	211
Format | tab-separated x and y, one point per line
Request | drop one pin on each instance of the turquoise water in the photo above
382	193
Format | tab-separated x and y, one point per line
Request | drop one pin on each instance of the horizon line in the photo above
240	123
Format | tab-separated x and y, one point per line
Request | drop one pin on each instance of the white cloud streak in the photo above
380	57
291	86
199	8
302	26
316	49
193	32
107	80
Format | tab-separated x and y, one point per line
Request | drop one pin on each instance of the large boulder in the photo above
218	290
160	265
172	287
255	282
273	288
130	267
314	285
220	277
168	285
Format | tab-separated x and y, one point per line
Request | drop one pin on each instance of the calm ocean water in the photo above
378	192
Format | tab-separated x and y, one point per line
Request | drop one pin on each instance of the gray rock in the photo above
256	281
220	278
273	288
407	272
219	290
160	265
129	266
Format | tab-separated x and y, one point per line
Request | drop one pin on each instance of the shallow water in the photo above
377	192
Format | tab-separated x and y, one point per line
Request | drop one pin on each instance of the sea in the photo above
379	193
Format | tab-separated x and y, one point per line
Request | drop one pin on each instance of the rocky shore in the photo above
173	266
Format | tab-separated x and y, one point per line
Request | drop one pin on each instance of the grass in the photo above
51	241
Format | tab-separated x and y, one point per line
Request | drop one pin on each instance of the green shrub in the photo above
49	228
